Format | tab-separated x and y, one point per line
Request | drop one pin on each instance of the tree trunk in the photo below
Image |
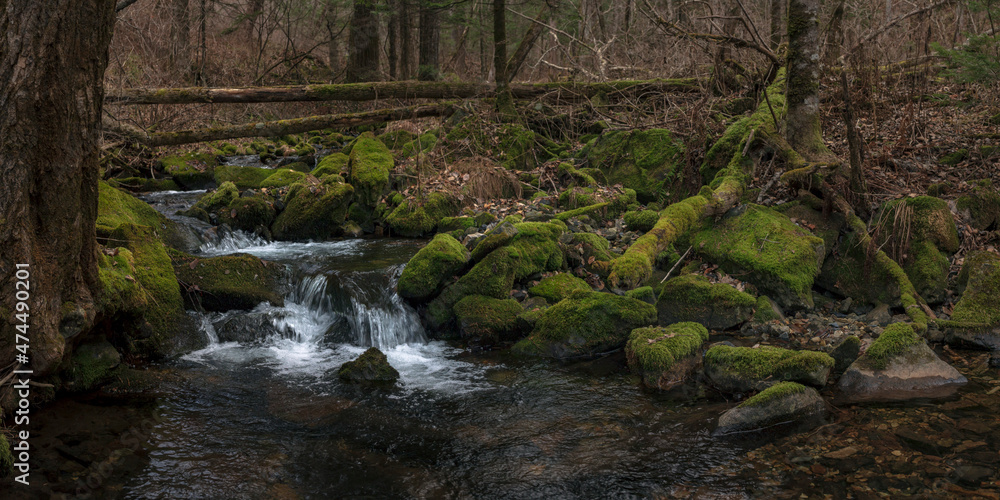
429	67
180	39
50	114
332	47
405	40
803	130
362	53
530	37
505	102
777	23
392	33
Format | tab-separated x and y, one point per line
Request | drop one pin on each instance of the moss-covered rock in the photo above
589	250
780	403
982	206
644	160
641	220
693	298
313	211
852	274
90	365
975	320
396	139
331	164
371	367
144	184
449	224
431	268
643	293
282	177
765	248
923	230
487	319
190	171
498	236
586	324
422	144
242	177
743	369
415	218
954	158
665	357
237	281
516	148
249	213
116	207
559	286
369	167
766	310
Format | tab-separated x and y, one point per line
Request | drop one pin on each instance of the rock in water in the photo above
372	366
899	365
665	357
782	402
742	369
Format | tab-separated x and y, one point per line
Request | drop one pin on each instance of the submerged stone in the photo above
782	402
899	365
665	357
744	369
371	366
693	298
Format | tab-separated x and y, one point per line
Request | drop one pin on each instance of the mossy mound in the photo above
641	220
516	148
415	218
982	206
395	139
559	286
765	311
975	319
893	341
331	164
487	319
237	281
313	211
248	213
422	144
592	251
431	268
90	365
585	325
192	170
924	227
371	367
282	177
116	207
643	160
742	369
369	167
213	201
851	274
242	177
665	356
643	293
500	235
765	248
693	298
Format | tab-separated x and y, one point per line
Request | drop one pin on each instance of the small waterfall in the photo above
231	241
308	312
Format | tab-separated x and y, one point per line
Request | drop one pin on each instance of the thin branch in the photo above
124	4
674	30
876	33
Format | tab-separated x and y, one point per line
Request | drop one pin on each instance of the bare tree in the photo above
362	54
429	67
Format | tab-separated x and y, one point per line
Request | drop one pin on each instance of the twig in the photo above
676	264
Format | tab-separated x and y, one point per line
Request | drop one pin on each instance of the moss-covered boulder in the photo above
249	213
693	298
982	206
395	139
415	218
765	248
558	286
743	369
431	268
371	367
665	356
644	160
975	320
331	164
781	403
91	365
190	171
585	325
461	223
498	236
369	167
487	319
116	207
282	177
424	143
641	220
899	365
313	211
852	274
242	177
237	281
588	250
515	148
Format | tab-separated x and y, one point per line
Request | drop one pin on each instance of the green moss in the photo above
248	213
775	392
576	197
983	205
954	158
192	170
370	164
416	218
558	287
487	318
281	178
371	366
765	248
596	211
938	189
981	276
641	220
331	164
144	184
449	224
491	277
895	339
644	160
764	311
397	138
431	267
643	293
653	350
586	324
116	207
516	148
242	177
422	144
766	363
90	365
237	281
313	212
693	298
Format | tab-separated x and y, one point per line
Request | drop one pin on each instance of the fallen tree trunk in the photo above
392	90
294	126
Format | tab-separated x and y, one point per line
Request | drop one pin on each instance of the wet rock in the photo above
975	319
972	475
487	319
743	369
313	212
238	281
665	357
880	315
899	365
500	235
371	366
845	353
782	402
91	365
246	328
693	298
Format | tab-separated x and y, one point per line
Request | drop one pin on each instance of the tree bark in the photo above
392	33
429	66
333	46
803	130
362	55
180	39
405	40
505	101
777	23
530	37
50	115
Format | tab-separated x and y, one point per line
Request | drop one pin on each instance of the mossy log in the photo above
293	126
393	90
